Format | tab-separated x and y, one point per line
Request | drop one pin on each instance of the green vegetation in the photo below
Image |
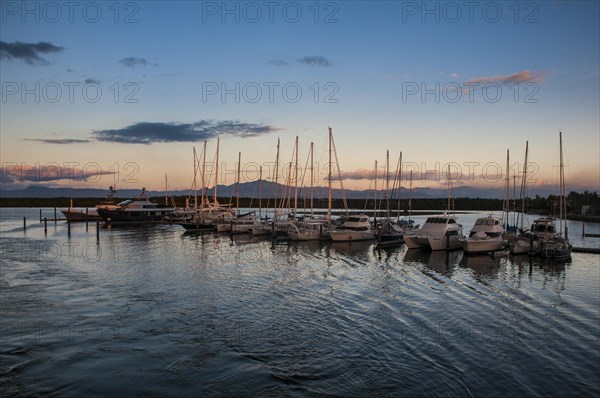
585	203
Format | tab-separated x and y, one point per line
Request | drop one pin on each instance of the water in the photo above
151	310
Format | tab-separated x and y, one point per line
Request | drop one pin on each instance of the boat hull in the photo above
198	226
348	236
147	216
451	242
79	216
478	246
416	241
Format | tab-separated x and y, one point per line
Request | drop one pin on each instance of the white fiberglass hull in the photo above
304	235
416	241
445	242
483	245
349	235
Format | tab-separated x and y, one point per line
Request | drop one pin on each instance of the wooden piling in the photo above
24	224
97	231
68	228
55	215
45	225
40	215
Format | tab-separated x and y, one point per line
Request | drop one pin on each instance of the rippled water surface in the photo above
151	310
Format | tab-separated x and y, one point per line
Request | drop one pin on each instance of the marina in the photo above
150	307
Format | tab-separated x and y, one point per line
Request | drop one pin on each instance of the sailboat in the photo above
310	228
244	222
525	242
556	245
389	234
197	221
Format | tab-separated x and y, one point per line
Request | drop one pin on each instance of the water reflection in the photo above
441	261
483	265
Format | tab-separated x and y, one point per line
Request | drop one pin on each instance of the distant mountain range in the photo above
269	189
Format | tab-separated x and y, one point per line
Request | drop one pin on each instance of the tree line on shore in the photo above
581	203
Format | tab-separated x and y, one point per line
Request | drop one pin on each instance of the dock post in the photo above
68	228
583	230
24	224
98	232
55	215
40	215
86	219
45	225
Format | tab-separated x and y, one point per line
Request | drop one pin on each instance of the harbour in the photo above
153	309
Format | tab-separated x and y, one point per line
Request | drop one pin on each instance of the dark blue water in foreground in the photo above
153	311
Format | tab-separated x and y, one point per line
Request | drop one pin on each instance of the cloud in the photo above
132	62
28	52
58	140
277	62
13	172
92	81
454	75
519	77
315	60
358	174
151	132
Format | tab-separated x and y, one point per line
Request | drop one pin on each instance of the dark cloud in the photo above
58	140
132	62
28	52
52	171
315	60
151	132
277	62
92	81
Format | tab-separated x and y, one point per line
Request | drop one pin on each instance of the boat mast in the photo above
296	181
410	196
202	196
237	202
337	162
260	193
387	184
562	186
329	179
312	144
276	179
449	188
375	207
216	173
166	192
524	185
506	202
195	187
399	183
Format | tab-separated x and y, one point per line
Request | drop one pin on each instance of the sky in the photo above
102	93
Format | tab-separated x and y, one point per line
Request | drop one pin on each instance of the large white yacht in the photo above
354	228
439	232
485	236
138	210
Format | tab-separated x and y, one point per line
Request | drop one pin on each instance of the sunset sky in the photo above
96	87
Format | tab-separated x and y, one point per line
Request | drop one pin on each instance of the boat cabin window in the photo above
125	202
